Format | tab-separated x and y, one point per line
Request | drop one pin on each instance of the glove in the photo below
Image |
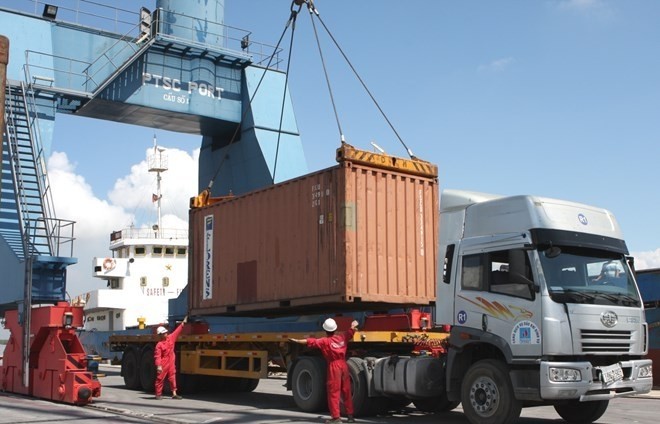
185	320
159	369
354	325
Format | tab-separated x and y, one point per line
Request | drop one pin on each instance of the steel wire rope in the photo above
294	16
318	15
312	11
249	106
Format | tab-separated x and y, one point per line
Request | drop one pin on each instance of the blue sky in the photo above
557	98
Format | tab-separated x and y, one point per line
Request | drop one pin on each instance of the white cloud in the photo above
647	260
134	191
497	65
130	199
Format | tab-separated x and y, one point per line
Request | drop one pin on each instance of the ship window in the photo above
157	251
140	250
169	251
181	251
166	281
114	283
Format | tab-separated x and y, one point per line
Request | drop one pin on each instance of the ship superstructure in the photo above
146	267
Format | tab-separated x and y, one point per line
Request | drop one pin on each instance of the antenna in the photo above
157	163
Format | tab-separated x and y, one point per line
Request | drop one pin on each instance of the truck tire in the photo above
576	412
147	370
435	404
363	405
309	385
130	369
487	394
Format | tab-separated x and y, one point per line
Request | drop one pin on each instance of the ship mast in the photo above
157	162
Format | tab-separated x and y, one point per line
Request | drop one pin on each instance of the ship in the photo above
649	287
145	268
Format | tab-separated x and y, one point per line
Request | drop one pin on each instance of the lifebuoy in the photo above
109	264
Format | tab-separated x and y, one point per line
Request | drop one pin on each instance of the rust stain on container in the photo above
351	237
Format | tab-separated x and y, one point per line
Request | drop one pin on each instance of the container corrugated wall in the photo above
351	237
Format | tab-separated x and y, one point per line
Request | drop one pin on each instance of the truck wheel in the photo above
363	405
309	385
487	394
576	412
129	369
147	370
435	404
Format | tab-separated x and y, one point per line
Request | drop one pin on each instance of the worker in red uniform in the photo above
333	347
165	359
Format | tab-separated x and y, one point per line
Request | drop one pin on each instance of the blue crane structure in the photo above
177	68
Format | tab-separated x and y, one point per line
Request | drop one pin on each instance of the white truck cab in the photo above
543	305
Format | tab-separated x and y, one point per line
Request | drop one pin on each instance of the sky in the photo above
555	98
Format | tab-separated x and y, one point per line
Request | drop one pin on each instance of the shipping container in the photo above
351	237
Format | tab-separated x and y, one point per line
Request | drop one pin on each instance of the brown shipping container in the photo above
350	237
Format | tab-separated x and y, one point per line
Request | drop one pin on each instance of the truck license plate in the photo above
611	373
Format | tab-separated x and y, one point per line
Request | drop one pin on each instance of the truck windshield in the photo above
576	275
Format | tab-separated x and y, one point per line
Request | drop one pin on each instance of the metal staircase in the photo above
27	217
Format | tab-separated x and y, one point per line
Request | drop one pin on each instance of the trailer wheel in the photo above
147	370
363	405
130	368
576	412
435	404
487	394
309	384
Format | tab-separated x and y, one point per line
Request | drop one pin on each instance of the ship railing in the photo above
149	233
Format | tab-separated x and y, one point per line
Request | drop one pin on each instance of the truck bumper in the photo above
591	386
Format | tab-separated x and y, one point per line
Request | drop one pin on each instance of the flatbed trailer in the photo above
235	362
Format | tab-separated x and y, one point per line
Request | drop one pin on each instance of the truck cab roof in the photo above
488	214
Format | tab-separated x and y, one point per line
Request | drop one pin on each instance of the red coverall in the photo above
165	357
333	349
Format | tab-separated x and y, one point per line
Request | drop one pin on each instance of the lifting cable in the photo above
290	22
313	11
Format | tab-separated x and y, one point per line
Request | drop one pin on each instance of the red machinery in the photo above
58	362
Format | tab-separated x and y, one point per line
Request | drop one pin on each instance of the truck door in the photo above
496	294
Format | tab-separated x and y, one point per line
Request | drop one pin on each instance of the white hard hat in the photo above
330	325
161	330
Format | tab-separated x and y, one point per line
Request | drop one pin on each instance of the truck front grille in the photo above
605	342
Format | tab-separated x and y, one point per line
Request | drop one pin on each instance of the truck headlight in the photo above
645	371
565	374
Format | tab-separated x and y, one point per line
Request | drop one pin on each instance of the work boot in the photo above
350	419
176	397
158	397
